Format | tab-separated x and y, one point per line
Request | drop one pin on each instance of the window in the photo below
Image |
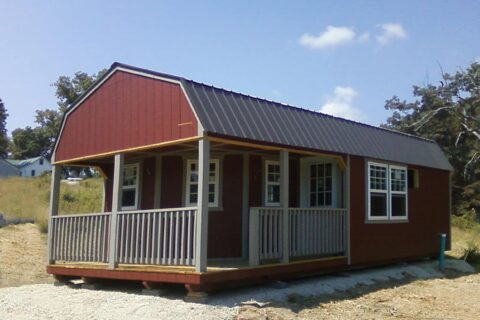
130	187
192	183
387	192
32	173
321	181
272	183
41	161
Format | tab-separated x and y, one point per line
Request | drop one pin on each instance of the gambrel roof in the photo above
231	114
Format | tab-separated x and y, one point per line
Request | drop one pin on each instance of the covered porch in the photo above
204	210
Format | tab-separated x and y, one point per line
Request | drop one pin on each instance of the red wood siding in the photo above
257	183
172	182
373	243
126	111
225	225
148	183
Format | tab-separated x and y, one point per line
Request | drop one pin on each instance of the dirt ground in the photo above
22	256
457	296
454	297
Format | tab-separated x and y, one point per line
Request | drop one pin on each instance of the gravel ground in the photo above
45	301
409	291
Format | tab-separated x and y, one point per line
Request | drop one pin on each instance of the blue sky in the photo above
342	57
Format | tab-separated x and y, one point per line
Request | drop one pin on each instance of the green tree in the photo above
3	131
448	113
27	143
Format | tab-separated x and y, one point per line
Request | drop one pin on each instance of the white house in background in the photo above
32	167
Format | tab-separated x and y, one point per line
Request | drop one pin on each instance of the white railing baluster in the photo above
164	252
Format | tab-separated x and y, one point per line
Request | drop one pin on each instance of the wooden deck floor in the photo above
218	274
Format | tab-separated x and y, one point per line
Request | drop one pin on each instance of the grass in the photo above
28	198
466	240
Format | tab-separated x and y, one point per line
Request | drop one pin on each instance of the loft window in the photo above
192	183
387	192
130	187
272	183
321	181
41	161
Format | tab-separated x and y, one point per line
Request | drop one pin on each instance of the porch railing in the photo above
312	232
157	236
163	237
317	232
80	237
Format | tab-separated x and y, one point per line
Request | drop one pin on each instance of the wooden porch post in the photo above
116	207
284	173
54	201
202	205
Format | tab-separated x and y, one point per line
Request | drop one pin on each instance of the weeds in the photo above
28	198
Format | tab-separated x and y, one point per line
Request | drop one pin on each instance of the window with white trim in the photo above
387	192
321	184
130	186
272	183
192	183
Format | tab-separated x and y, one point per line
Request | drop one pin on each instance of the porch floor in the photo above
220	274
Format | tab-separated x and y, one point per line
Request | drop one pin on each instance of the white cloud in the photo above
364	37
331	37
391	31
340	104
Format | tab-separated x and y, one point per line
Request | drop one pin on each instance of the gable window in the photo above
192	183
130	187
272	183
321	181
41	161
387	192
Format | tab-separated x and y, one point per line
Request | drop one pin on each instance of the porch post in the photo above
284	173
54	201
201	220
116	207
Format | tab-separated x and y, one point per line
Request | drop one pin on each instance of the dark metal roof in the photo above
241	116
237	115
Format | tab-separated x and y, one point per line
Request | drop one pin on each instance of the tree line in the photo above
448	112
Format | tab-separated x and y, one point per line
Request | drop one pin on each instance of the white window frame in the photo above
388	192
216	182
267	183
398	192
134	187
333	175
